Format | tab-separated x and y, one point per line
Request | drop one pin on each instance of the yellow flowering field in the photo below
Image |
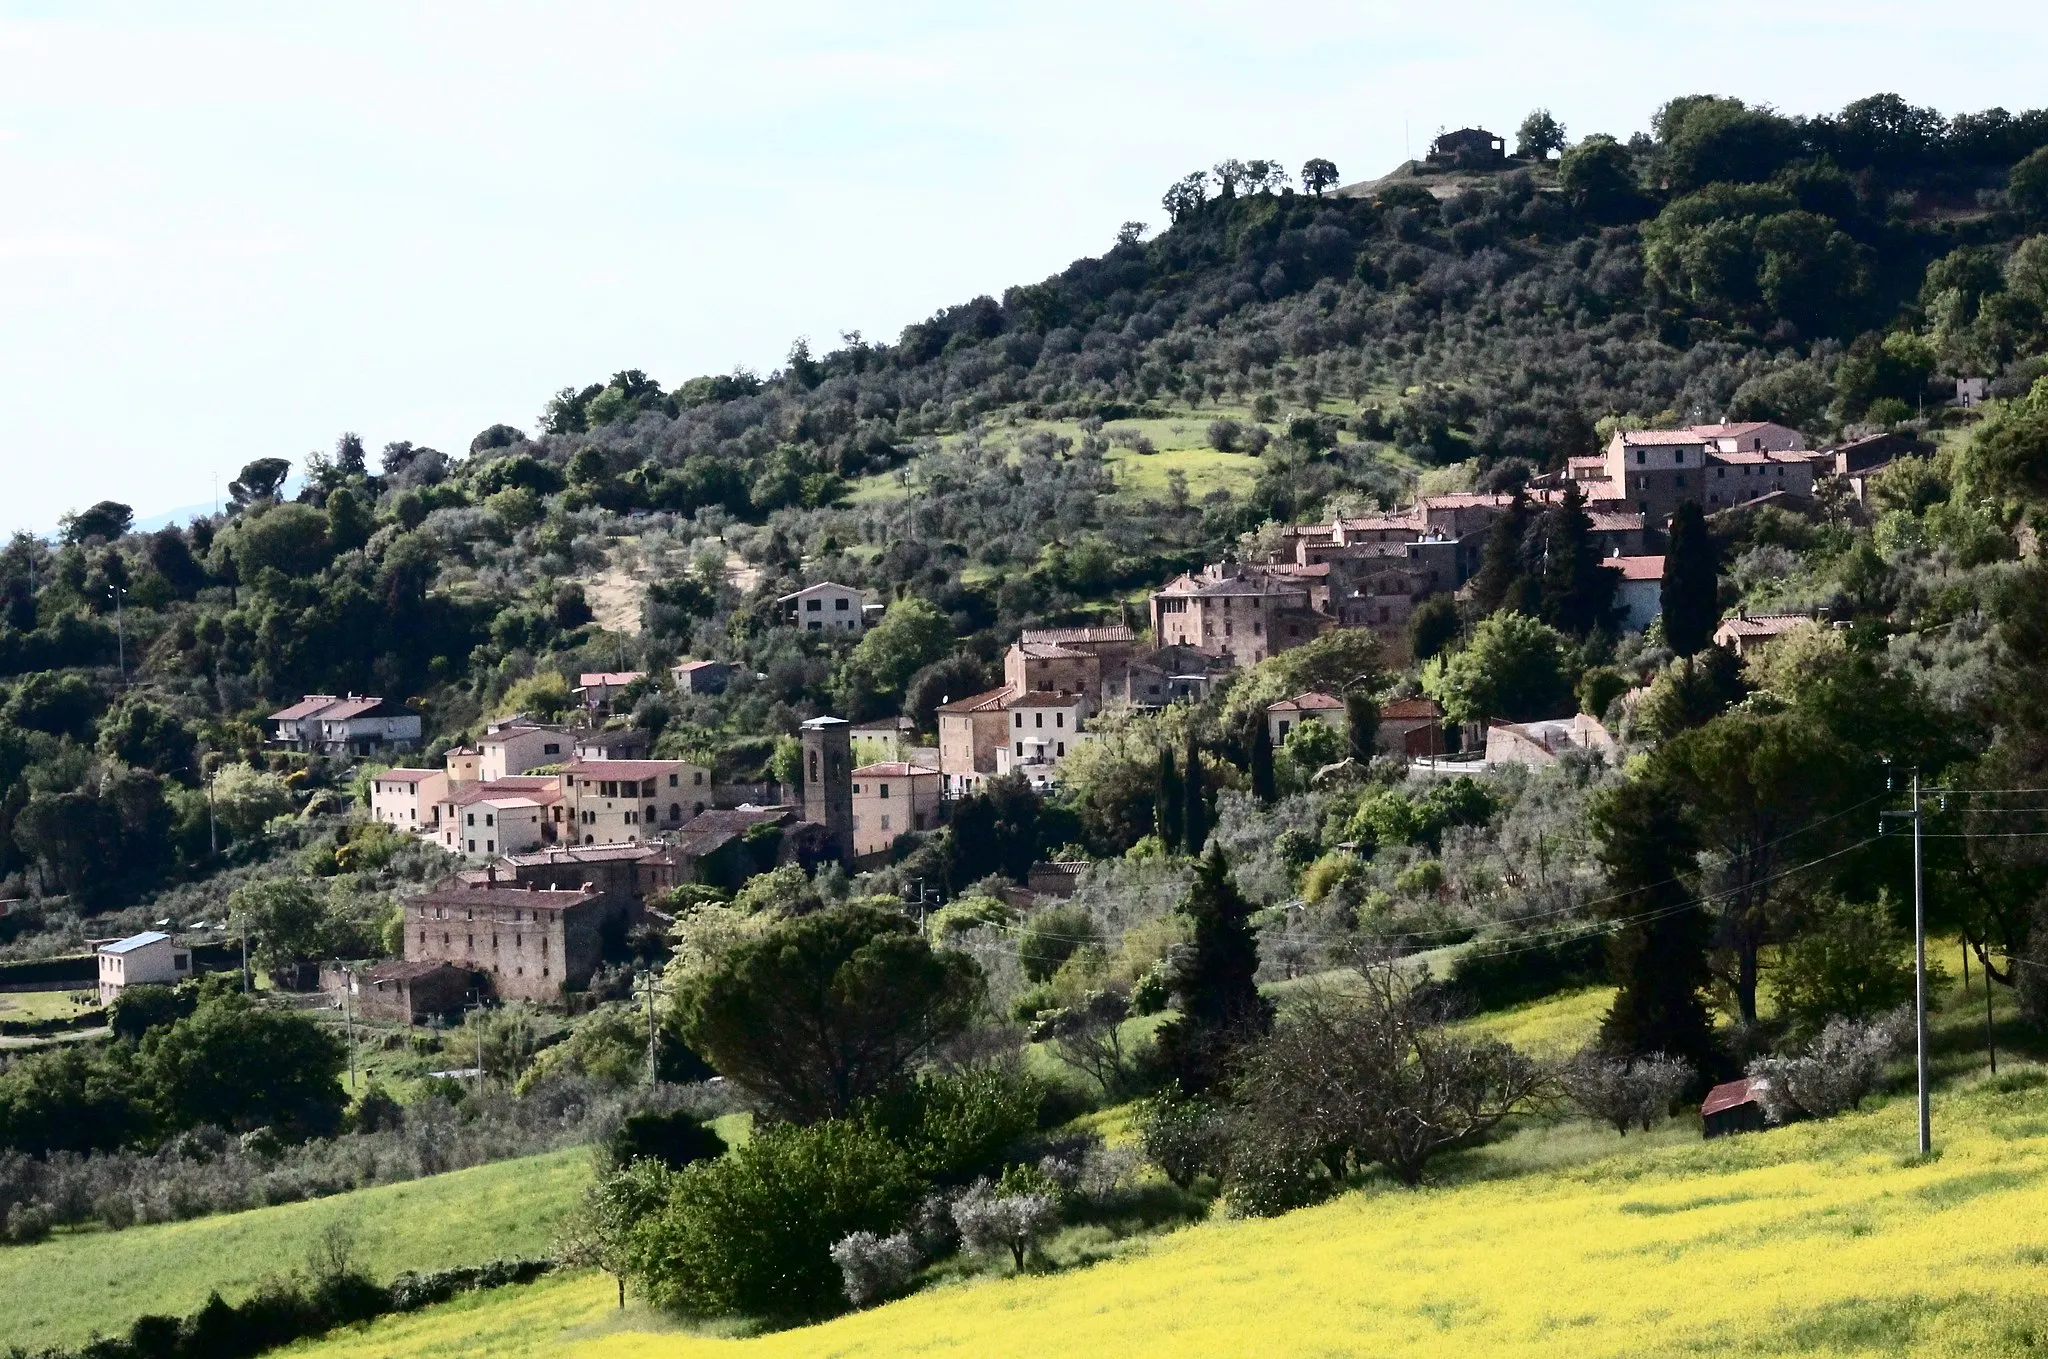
1823	1239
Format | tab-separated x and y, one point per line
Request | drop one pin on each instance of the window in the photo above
697	777
814	606
472	847
1020	748
885	790
472	818
1039	719
489	820
551	748
1059	719
814	626
675	811
1678	457
840	604
651	817
885	823
1062	749
1020	721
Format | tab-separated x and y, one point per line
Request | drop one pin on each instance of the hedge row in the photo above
283	1311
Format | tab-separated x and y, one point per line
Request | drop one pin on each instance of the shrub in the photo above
673	1137
1270	1175
752	1233
1051	937
957	1126
1843	1065
1185	1138
1625	1092
872	1268
991	1221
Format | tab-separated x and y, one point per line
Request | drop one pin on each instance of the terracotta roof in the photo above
544	788
693	665
1308	702
610	679
346	708
531	898
1041	699
396	773
893	769
1615	521
1763	624
512	729
502	802
624	769
735	818
1637	568
897	724
582	854
1049	651
1114	632
305	707
1660	438
1465	500
1729	1095
988	702
1402	709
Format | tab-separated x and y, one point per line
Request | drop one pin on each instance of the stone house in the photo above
1640	595
971	731
353	725
1289	713
889	798
701	677
530	943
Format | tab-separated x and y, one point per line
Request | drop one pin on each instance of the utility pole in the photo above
120	634
348	984
1919	960
651	990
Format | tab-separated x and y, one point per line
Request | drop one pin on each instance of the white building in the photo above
1041	730
518	746
1640	595
825	607
1289	713
146	959
354	725
408	799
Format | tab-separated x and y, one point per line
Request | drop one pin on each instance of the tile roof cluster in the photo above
893	769
1763	624
522	898
1311	701
1637	568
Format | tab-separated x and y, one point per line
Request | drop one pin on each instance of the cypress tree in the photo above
1166	809
1361	726
1194	801
1691	611
1220	1004
1502	581
1658	958
1578	591
1264	786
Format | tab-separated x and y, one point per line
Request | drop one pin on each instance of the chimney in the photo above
490	875
590	888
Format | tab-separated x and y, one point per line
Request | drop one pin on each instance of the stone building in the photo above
531	943
828	780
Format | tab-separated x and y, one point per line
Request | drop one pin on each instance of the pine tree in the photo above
1220	1004
1578	591
1194	802
1168	810
1361	726
1264	786
1691	611
1658	957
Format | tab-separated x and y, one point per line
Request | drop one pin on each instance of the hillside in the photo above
1814	1239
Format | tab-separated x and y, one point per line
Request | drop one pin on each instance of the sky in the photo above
231	231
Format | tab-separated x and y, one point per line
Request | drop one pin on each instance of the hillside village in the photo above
1416	683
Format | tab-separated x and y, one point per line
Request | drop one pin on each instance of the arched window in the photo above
675	811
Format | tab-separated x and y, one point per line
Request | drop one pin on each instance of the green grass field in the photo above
1561	1239
61	1291
34	1005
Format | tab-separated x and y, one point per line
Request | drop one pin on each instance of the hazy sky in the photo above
235	230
